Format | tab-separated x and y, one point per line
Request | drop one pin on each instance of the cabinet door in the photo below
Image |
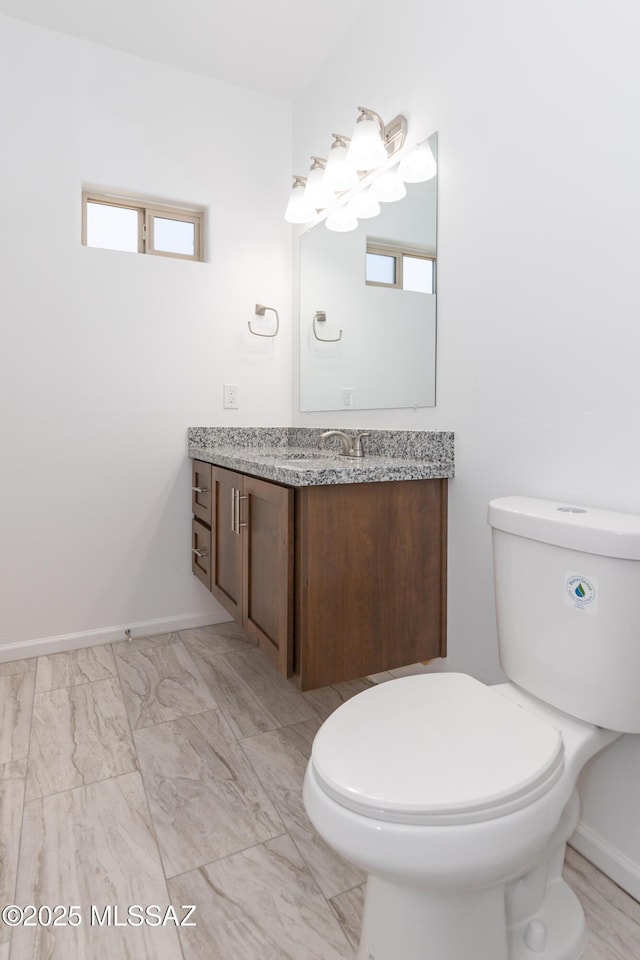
226	544
201	491
267	517
370	578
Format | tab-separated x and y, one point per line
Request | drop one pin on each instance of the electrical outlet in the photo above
230	399
346	397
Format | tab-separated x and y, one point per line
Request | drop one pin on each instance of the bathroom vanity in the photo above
336	567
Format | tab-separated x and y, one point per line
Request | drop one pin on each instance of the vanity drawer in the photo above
201	552
201	491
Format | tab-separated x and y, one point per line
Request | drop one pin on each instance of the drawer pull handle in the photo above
199	553
200	489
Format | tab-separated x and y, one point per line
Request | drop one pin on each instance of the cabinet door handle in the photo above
200	489
199	553
238	524
235	511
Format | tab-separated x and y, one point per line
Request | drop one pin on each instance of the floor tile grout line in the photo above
283	726
71	653
348	890
182	716
228	856
243	684
81	786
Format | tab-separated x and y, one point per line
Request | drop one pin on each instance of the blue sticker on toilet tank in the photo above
581	592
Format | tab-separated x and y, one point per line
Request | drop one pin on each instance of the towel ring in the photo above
320	317
260	312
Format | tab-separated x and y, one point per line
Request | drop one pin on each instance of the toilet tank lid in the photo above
605	533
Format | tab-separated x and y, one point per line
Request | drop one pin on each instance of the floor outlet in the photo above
230	396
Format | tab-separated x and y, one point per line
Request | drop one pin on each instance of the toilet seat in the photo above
435	749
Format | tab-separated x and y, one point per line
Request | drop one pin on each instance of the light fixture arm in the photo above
393	134
372	115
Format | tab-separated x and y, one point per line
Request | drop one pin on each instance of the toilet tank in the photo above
567	591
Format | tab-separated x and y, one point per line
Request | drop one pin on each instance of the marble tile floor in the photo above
167	771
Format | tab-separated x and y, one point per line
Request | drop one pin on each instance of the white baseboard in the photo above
608	859
92	638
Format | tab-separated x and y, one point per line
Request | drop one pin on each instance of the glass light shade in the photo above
339	175
388	187
316	192
366	149
341	220
298	209
418	166
364	205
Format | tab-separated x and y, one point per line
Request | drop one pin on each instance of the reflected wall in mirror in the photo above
368	308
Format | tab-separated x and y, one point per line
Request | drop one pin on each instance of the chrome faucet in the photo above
351	447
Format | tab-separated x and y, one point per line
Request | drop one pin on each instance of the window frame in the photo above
147	210
398	251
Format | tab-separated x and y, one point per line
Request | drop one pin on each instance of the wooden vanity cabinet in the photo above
251	567
333	582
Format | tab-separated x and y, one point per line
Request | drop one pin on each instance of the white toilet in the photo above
457	798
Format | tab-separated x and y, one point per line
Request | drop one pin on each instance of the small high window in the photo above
405	268
138	226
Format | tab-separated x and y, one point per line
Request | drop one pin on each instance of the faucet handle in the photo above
357	444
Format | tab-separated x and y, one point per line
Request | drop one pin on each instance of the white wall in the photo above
106	358
536	106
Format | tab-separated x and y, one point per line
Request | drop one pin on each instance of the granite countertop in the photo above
298	457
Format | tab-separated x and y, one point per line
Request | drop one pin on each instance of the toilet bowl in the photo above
457	798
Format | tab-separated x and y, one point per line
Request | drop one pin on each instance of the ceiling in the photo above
274	46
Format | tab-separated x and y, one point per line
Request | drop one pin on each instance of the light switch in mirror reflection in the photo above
387	352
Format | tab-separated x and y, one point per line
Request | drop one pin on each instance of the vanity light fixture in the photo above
358	174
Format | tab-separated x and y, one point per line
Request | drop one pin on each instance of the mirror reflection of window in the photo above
381	268
418	274
400	266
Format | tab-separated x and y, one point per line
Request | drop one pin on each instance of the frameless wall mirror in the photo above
368	308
